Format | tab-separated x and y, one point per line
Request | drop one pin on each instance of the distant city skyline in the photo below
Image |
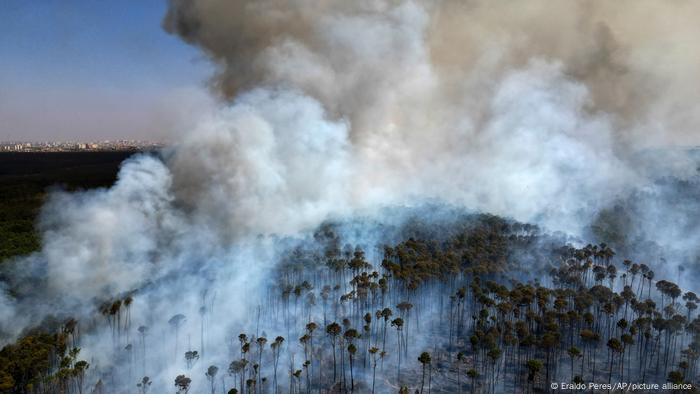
48	146
89	71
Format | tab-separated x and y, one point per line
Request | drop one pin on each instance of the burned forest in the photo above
340	197
479	304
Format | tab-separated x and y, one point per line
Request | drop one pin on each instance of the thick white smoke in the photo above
339	108
270	163
358	107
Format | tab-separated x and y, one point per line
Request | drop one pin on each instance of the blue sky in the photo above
89	69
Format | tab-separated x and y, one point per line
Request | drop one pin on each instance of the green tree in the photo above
473	375
573	353
533	366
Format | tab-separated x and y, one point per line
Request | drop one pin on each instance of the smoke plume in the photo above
518	109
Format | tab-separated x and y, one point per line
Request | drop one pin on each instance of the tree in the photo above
573	353
304	340
191	357
7	382
333	330
591	339
261	341
352	349
373	351
175	322
79	369
534	366
237	369
627	341
211	375
675	377
405	309
143	330
386	314
115	320
276	347
494	354
99	387
398	323
473	375
144	385
243	340
512	327
202	317
310	328
350	335
424	359
297	375
549	340
614	346
182	383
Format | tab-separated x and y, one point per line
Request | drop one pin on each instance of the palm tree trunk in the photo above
430	377
374	375
334	363
422	380
352	378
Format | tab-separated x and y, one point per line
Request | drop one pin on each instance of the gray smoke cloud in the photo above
543	112
477	102
377	59
533	110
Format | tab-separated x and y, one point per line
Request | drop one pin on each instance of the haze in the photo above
83	70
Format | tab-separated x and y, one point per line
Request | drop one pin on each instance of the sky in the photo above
93	70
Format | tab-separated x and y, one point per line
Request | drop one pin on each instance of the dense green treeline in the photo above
25	179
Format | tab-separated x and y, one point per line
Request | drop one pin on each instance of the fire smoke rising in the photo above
543	112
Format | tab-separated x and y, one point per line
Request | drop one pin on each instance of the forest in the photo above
26	179
352	197
476	304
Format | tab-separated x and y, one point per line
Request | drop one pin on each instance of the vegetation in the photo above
25	179
475	304
41	362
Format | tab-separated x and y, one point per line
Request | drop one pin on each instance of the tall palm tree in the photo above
143	330
144	385
202	313
276	347
534	366
352	349
350	335
373	351
182	383
79	369
310	328
211	376
333	330
405	309
573	353
614	346
386	314
175	322
424	359
473	375
398	323
261	341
